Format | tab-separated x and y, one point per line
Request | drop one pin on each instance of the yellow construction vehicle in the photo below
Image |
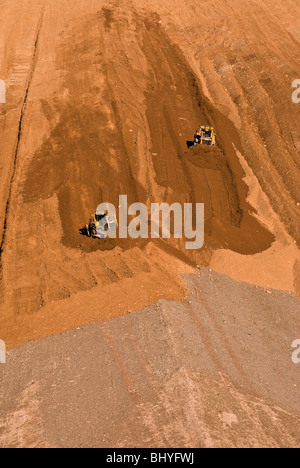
205	136
101	224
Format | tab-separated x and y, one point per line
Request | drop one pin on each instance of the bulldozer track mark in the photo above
149	375
225	342
130	386
22	114
216	362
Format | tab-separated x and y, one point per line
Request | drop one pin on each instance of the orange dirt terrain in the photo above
102	99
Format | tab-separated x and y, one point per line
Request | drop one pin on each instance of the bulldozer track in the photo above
22	114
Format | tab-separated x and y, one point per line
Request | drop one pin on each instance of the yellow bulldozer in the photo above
101	224
205	136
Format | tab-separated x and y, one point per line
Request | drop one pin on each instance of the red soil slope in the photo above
101	101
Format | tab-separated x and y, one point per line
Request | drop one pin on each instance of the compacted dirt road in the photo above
102	99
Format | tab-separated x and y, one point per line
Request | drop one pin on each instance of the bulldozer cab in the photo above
99	216
205	136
